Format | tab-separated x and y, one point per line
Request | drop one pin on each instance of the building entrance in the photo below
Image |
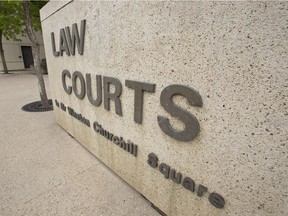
27	56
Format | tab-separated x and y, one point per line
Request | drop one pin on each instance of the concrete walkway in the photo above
46	172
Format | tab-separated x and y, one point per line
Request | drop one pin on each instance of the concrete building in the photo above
18	54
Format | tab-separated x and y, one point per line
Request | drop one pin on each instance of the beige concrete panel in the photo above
232	53
52	8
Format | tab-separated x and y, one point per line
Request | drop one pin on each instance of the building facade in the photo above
18	54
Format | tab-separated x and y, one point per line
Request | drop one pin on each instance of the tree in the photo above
20	17
2	54
11	23
32	22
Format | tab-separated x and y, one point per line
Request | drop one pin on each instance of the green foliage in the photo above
35	6
12	18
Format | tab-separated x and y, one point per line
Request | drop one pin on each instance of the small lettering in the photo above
201	190
152	160
164	169
128	146
63	107
214	198
56	103
78	117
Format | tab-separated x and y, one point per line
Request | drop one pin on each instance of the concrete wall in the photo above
13	53
233	53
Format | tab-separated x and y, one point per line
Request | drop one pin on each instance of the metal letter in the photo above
192	127
176	178
122	144
76	39
189	184
98	100
128	147
216	200
64	74
96	126
201	190
63	46
115	140
55	53
56	103
107	81
80	94
135	150
152	160
131	148
139	88
164	169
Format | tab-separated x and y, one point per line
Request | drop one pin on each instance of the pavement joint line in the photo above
81	172
42	193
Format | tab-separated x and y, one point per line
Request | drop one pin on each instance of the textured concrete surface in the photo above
46	172
233	53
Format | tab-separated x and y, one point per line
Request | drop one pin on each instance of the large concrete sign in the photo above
186	101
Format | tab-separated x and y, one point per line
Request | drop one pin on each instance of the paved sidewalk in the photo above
46	172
